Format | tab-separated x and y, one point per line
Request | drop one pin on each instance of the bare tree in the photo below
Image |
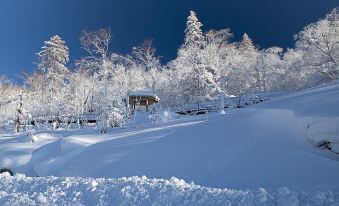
219	38
96	43
145	56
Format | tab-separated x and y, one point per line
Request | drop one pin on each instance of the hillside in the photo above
269	145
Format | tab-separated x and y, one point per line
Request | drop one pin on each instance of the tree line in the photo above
206	64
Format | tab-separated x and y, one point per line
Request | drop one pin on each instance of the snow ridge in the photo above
22	190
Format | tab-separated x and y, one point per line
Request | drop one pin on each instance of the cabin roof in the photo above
143	94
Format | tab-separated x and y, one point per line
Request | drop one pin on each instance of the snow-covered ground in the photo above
22	190
270	145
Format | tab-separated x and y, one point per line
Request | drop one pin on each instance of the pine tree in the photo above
193	33
53	57
197	78
246	43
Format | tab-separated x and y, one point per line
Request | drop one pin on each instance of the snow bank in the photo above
21	190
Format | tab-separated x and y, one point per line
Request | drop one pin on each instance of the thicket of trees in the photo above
206	63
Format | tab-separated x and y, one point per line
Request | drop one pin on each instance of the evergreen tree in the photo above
53	58
193	33
246	43
196	77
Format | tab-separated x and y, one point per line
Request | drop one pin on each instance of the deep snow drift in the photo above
270	145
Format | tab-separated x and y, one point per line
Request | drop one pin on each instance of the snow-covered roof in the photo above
144	93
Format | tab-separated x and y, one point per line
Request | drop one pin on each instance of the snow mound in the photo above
43	137
21	190
325	133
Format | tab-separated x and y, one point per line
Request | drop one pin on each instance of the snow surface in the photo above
21	190
269	145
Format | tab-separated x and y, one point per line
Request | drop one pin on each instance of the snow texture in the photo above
21	190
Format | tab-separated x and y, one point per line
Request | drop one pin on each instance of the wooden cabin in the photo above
142	98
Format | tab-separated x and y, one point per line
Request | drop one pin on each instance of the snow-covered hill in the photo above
270	145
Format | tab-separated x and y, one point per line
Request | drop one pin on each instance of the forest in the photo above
207	63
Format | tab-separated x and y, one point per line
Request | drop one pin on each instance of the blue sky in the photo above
25	24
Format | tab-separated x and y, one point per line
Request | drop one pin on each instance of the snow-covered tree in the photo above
193	32
245	74
53	59
195	76
246	43
52	62
216	56
8	102
145	56
206	64
96	43
19	113
320	44
269	68
219	38
296	74
5	85
100	66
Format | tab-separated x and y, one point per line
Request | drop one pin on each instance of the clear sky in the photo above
25	24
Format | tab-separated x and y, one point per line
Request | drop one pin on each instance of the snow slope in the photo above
267	145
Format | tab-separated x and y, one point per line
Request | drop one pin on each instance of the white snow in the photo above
5	174
268	145
325	132
21	190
